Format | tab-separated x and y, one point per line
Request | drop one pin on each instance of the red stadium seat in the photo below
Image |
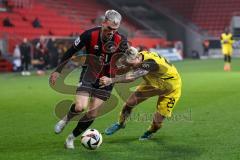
5	66
204	12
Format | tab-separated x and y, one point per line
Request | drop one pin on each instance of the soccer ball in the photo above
91	139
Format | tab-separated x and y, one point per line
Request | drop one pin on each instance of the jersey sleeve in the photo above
78	44
149	65
81	41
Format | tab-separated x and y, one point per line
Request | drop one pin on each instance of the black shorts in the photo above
94	89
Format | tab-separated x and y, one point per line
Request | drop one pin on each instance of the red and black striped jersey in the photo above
101	55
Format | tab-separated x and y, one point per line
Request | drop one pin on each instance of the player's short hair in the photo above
113	16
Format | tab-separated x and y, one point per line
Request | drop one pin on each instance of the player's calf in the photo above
63	122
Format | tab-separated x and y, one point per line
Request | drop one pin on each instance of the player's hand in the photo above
105	81
53	78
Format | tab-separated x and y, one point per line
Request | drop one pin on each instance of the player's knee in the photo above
132	102
79	107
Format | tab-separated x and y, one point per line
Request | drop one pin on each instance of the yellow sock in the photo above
121	119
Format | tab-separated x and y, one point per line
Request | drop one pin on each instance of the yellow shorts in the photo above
167	99
227	50
166	103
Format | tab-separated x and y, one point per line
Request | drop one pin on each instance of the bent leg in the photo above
89	116
165	107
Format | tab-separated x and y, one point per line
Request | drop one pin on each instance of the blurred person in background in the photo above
36	23
17	66
9	6
42	47
0	53
38	62
25	50
53	52
41	57
178	45
227	48
7	22
206	44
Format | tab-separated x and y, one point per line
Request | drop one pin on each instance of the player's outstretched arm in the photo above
54	75
123	70
78	44
66	56
128	77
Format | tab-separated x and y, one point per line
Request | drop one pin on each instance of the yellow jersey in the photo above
160	70
227	39
227	42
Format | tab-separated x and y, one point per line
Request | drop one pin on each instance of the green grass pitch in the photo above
205	123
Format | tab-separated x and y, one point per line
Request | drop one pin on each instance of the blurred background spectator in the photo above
149	24
25	50
7	22
206	44
17	66
0	54
53	52
36	23
41	56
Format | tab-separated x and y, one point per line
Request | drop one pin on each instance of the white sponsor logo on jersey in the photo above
77	41
96	47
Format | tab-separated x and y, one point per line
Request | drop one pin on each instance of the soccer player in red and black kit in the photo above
102	44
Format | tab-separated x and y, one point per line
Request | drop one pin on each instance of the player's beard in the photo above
107	37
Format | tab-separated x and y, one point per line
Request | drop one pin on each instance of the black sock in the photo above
229	59
125	113
225	58
72	112
82	125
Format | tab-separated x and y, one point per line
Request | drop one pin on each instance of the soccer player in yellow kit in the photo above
160	79
227	48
